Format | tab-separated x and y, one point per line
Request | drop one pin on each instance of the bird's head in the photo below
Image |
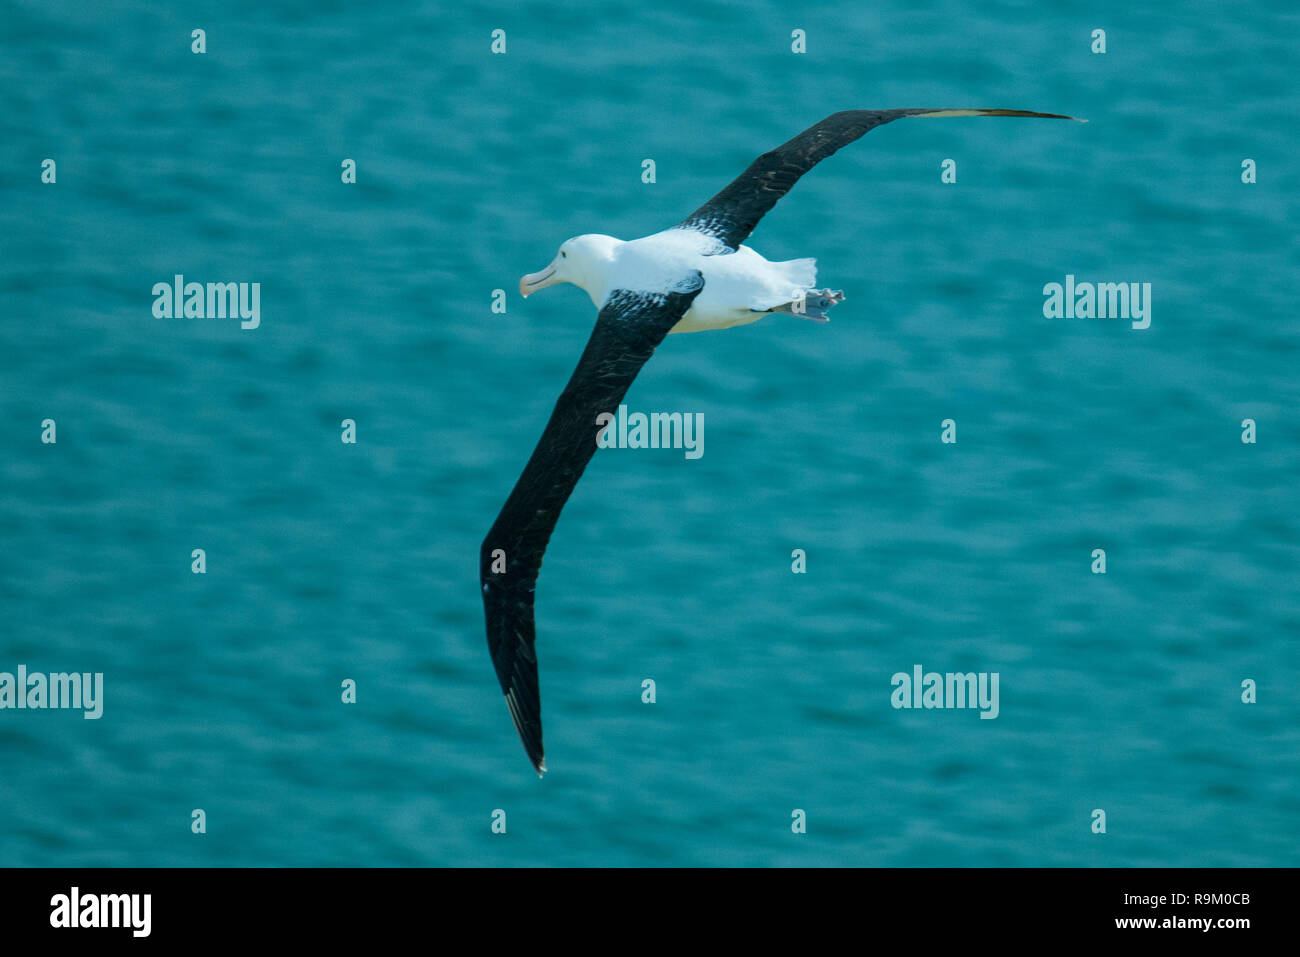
581	261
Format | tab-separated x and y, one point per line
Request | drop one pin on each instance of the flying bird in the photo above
697	275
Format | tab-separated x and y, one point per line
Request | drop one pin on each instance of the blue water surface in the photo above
329	561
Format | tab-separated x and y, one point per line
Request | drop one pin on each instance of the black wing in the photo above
732	215
628	329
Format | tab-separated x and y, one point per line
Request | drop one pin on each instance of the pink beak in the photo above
537	280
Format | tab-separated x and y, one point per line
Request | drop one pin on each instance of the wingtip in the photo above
938	113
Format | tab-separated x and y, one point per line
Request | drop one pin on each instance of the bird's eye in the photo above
563	254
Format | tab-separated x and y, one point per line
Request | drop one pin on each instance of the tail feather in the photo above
800	273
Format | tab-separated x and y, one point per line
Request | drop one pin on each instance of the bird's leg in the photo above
813	305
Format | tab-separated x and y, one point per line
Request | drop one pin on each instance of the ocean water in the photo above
329	561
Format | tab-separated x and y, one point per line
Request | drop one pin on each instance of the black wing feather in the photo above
628	329
732	215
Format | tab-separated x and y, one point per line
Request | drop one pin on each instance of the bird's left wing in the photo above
729	217
631	324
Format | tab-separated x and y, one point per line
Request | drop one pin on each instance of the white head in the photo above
582	260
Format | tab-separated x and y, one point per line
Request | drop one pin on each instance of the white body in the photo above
739	287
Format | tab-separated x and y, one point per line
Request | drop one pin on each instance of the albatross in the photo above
695	276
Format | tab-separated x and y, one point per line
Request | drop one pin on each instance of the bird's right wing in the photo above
731	216
630	326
